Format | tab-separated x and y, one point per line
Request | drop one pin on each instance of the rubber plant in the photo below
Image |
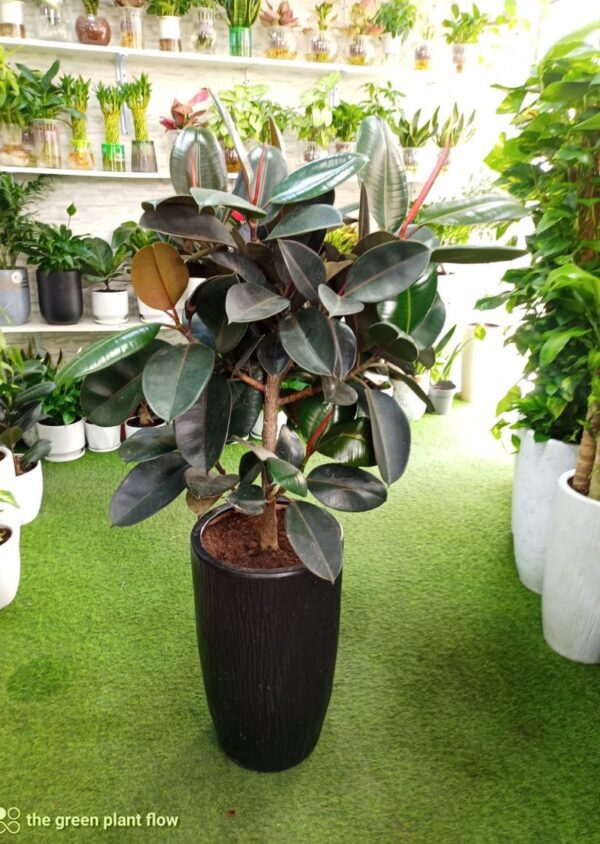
283	325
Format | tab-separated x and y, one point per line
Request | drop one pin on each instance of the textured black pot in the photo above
14	296
60	297
268	644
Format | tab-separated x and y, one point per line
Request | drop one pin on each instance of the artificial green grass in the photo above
450	721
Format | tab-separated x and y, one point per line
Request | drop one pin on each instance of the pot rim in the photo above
70	425
565	486
251	574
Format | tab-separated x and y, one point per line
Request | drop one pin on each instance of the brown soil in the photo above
235	539
5	535
134	422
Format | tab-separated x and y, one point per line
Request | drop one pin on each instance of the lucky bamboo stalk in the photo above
76	92
111	99
137	96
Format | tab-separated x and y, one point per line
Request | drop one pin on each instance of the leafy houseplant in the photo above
59	256
281	42
111	99
314	122
92	28
12	151
322	45
41	101
62	424
345	119
362	27
442	388
76	93
245	103
413	136
16	227
273	328
384	101
169	14
464	28
550	162
396	19
242	15
137	97
457	129
102	266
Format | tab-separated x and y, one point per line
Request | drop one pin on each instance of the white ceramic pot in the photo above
538	467
110	307
102	439
442	398
12	12
7	468
480	360
256	432
413	407
28	490
131	430
391	46
169	28
571	593
148	314
10	560
68	441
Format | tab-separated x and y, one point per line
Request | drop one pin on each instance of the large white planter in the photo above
10	560
28	490
68	441
102	439
538	467
148	314
7	468
480	360
131	430
571	594
256	431
110	307
413	407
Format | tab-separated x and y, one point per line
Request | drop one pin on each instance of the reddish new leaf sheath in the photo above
416	206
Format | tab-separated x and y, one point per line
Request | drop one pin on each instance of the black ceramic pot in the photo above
60	297
268	645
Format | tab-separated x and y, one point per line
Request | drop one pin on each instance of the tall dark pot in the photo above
60	297
14	296
268	644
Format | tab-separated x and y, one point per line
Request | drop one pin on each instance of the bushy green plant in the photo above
10	106
246	104
396	17
168	8
465	27
345	120
76	94
412	133
54	248
63	406
40	98
16	224
103	263
384	101
314	121
457	128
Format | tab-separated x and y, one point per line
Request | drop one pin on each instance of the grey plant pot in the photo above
442	395
15	303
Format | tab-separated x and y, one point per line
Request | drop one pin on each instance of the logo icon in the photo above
9	820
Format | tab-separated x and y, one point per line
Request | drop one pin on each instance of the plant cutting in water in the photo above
137	97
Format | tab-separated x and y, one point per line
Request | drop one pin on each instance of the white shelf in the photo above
86	326
86	174
71	48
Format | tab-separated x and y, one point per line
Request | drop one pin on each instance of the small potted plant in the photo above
10	554
111	99
59	256
204	35
169	13
345	119
396	18
137	96
53	22
92	28
462	29
456	129
361	30
63	422
443	389
424	48
322	44
245	103
142	419
42	101
76	92
132	29
413	137
110	305
241	15
314	121
281	42
12	19
15	228
12	149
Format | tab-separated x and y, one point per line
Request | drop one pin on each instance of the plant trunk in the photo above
587	454
268	530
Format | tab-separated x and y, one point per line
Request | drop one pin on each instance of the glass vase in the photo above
93	30
312	152
53	22
423	56
460	54
204	36
12	150
81	157
360	50
232	160
343	146
113	158
46	143
143	157
240	41
281	43
169	34
12	19
321	47
132	30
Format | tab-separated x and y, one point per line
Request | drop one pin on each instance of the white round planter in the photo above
131	430
442	398
571	594
391	46
413	407
480	360
68	441
169	28
100	439
256	432
28	490
7	468
538	467
12	12
110	307
10	560
148	314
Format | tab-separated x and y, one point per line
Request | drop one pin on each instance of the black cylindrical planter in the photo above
60	296
14	296
268	644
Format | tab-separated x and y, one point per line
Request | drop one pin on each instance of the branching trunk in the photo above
268	530
587	454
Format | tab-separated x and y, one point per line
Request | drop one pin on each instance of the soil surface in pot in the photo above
134	422
235	539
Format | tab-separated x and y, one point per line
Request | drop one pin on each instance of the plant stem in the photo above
268	530
586	456
140	124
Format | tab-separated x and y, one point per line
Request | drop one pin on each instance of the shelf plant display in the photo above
424	48
396	19
361	29
169	13
274	328
111	99
92	28
322	44
53	22
242	15
132	28
137	97
245	103
12	19
413	136
204	37
346	117
281	41
12	150
16	227
314	122
101	267
76	93
458	128
465	28
41	101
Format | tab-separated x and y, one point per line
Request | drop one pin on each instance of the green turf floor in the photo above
450	721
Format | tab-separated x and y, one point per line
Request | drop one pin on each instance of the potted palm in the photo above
111	99
15	227
63	423
137	97
314	120
76	93
281	42
59	256
241	15
396	18
10	556
92	28
278	331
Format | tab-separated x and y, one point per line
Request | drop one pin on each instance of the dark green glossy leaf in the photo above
246	407
37	452
239	264
318	177
250	302
386	270
349	442
175	377
316	537
338	392
430	328
336	305
270	168
248	499
206	198
202	485
287	475
250	467
475	254
289	446
373	239
147	489
345	348
391	435
306	218
399	344
202	432
411	306
384	176
197	160
148	443
272	356
307	338
106	352
306	269
473	211
313	412
33	394
412	384
178	216
346	488
208	300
